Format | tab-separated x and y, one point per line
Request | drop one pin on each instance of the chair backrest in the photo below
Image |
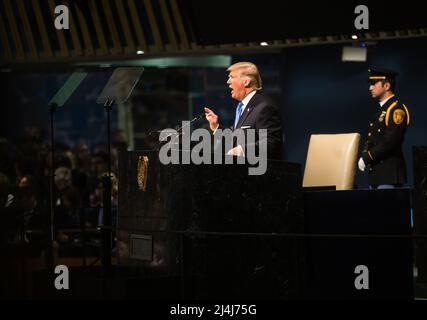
331	160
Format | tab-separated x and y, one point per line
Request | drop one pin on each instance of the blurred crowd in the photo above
25	188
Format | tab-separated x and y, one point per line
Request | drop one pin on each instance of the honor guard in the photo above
382	155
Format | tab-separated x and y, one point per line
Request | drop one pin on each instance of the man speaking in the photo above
254	109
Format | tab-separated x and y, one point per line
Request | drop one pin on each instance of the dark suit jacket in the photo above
383	147
262	113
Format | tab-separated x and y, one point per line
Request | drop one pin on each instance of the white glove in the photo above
362	164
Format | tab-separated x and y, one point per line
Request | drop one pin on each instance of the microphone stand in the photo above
106	229
51	214
60	98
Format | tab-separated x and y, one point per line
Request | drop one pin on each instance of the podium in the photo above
359	227
210	231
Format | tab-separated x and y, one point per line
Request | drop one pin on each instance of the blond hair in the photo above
249	70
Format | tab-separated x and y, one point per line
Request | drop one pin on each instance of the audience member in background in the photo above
119	144
100	163
28	216
82	171
97	198
6	201
6	198
7	158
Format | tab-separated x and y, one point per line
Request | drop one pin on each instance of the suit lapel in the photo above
248	109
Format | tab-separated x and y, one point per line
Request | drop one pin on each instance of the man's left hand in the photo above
237	151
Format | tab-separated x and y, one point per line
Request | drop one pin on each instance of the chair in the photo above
331	160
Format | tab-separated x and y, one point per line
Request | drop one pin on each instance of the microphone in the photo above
179	129
196	118
199	116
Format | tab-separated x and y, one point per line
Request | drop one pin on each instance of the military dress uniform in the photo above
383	148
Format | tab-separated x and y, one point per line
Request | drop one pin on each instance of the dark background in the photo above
226	21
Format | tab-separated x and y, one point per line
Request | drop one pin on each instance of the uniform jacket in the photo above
383	148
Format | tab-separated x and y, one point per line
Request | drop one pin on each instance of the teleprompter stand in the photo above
117	91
